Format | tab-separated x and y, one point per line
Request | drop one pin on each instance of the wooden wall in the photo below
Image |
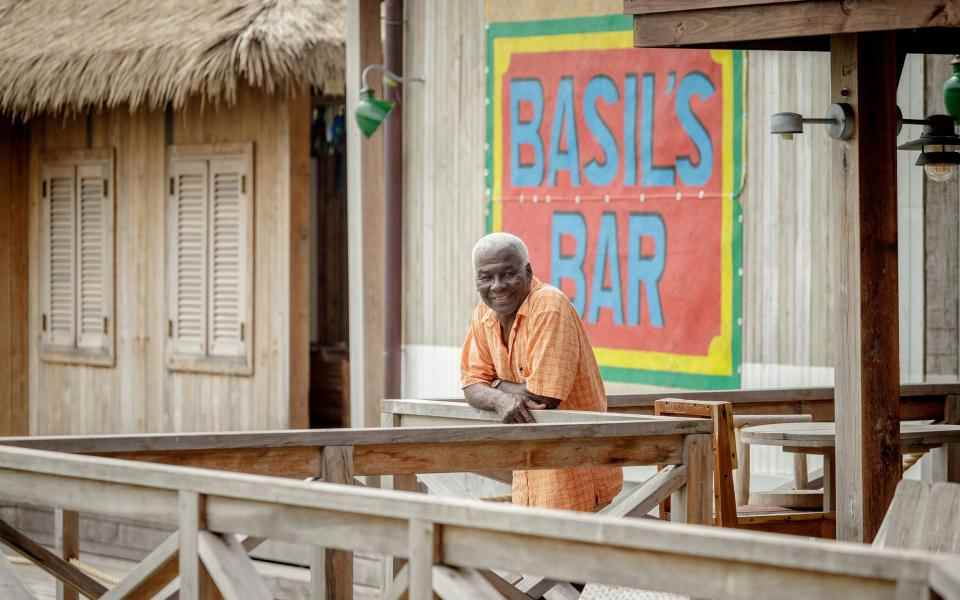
14	211
787	278
140	394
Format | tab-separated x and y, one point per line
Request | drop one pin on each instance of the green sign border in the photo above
625	23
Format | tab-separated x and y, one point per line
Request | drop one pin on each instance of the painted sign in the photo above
620	168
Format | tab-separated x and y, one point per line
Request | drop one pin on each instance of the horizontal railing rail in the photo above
437	534
917	400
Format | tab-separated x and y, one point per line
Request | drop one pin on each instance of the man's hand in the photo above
515	408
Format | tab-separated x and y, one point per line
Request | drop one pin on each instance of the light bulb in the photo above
940	172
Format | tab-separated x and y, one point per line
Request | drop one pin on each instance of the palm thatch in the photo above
73	55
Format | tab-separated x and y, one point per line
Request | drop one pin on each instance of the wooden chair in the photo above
778	519
922	516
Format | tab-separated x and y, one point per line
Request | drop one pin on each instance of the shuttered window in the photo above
76	319
210	259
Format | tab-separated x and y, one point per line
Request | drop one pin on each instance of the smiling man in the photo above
526	349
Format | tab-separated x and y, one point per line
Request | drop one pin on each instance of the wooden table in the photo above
942	441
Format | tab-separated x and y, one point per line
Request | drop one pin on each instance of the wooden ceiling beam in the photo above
720	24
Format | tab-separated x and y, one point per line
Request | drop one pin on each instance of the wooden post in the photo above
66	536
693	503
943	463
337	564
189	524
864	75
423	545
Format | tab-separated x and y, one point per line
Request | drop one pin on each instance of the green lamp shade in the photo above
951	91
371	112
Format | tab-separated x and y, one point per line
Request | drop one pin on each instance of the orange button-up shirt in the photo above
549	351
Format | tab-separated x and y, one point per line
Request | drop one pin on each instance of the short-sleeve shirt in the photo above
547	350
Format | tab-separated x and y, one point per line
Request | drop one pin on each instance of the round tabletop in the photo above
823	435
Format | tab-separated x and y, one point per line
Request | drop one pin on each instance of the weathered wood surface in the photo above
85	399
653	491
922	516
74	578
158	442
724	24
917	401
867	374
15	201
150	575
66	537
716	562
823	435
945	578
11	587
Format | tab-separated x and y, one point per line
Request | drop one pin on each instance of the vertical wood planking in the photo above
863	67
942	244
66	536
14	220
298	152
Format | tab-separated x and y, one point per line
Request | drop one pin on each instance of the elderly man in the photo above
526	349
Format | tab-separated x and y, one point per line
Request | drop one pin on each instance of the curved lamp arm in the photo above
389	77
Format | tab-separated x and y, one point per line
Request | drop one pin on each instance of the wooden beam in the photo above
296	462
66	536
786	20
653	491
230	567
547	454
647	7
181	442
150	575
74	578
398	586
866	304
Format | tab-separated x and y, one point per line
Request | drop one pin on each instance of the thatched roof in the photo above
72	55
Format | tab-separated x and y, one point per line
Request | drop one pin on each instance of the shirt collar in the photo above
491	318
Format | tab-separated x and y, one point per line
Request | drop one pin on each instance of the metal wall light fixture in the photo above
938	159
839	118
372	111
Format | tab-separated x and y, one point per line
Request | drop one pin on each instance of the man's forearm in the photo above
520	389
484	397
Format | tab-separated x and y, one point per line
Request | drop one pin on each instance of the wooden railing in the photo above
560	439
917	401
451	545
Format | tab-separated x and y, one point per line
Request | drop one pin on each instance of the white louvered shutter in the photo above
59	311
94	256
228	258
188	257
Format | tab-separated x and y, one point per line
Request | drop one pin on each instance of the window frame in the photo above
196	363
76	354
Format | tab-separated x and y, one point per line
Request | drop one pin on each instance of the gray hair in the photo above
494	242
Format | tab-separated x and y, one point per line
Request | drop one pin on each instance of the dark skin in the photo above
503	281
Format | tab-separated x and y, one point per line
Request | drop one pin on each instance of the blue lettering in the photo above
564	122
630	130
569	266
600	295
526	132
694	84
647	269
601	173
652	174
